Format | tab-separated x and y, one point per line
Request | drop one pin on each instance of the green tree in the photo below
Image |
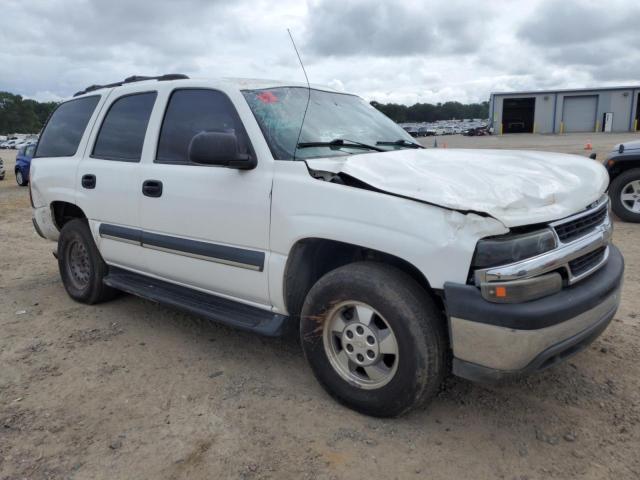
427	112
18	115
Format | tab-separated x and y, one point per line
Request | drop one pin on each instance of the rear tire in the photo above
622	191
81	266
347	321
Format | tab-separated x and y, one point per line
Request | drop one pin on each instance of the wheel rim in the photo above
630	196
78	264
19	177
361	345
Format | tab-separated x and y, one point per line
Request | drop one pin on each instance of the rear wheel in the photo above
81	266
374	338
625	195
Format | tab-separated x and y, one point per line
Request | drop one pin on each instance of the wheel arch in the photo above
62	212
622	165
311	258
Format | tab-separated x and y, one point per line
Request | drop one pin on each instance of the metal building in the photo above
609	109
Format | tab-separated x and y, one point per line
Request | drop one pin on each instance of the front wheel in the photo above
624	192
20	180
374	338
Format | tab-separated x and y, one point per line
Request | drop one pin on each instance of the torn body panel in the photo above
515	187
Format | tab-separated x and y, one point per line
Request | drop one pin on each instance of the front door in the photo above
205	227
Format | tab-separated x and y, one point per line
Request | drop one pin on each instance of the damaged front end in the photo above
538	291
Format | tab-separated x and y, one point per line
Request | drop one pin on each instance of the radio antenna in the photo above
304	115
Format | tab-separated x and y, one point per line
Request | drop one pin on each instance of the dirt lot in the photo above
130	389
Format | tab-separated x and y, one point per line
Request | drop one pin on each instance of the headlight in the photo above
491	252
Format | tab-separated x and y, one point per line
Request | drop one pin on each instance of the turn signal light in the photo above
519	291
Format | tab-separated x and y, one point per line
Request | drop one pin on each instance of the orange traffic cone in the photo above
588	145
444	145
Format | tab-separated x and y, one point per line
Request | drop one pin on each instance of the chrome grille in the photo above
586	262
578	227
582	249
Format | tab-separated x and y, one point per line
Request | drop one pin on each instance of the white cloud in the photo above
46	96
393	51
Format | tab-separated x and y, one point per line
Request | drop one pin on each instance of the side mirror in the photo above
592	156
218	148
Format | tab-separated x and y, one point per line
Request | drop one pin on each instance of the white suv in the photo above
276	208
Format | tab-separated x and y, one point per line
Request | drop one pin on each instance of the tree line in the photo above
427	112
21	115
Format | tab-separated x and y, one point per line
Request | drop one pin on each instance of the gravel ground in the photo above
131	389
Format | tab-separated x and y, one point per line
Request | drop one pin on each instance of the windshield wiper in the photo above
401	143
340	142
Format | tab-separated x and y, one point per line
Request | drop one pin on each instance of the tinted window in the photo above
122	132
61	136
29	150
191	112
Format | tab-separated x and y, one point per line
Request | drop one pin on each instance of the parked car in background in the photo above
9	144
623	165
23	164
25	142
413	131
425	132
2	172
476	131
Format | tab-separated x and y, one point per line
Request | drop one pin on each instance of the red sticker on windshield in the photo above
267	97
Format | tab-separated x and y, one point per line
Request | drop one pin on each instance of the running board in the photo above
211	307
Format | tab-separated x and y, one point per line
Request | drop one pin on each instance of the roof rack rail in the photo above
132	79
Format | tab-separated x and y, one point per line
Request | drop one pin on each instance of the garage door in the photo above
579	113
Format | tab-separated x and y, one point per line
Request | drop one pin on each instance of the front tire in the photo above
20	180
81	266
374	339
624	192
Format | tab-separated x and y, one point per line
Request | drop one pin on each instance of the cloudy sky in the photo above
386	50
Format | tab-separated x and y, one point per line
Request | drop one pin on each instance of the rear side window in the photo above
123	129
192	111
61	136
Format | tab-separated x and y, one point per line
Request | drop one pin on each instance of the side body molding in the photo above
212	252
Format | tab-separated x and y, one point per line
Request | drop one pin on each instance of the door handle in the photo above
152	188
89	181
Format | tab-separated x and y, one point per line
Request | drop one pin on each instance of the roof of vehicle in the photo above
239	83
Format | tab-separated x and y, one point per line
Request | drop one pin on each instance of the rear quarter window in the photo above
63	132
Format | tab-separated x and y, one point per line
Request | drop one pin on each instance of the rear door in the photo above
108	176
205	226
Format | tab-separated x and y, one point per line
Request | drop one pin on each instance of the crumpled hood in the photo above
514	186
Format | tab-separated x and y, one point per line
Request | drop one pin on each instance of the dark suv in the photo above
623	165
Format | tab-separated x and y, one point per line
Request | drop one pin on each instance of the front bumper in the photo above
493	341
